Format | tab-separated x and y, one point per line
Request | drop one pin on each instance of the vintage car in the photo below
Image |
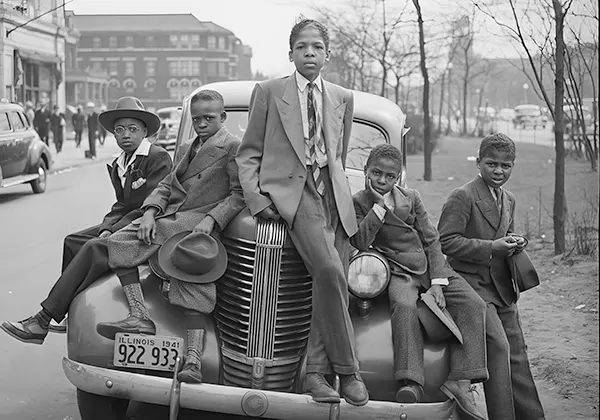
253	364
24	158
529	116
169	126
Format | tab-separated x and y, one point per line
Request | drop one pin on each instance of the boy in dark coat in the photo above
474	232
134	174
393	220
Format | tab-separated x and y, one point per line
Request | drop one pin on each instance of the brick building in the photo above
159	58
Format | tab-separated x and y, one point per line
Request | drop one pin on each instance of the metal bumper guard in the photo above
239	401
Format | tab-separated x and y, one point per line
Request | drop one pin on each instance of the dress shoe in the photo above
316	385
410	393
353	389
131	325
190	374
463	397
29	330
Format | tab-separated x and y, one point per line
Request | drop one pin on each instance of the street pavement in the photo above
72	157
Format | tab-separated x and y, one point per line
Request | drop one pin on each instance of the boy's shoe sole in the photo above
21	335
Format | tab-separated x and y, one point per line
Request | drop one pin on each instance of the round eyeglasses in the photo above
132	129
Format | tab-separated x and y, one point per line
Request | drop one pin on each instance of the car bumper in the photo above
240	401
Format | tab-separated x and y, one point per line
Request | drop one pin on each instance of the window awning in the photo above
38	56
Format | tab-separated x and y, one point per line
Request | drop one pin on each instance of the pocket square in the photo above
138	183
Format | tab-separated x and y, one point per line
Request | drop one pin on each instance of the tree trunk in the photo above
560	203
427	146
442	90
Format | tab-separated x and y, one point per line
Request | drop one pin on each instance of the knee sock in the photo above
135	298
43	318
195	336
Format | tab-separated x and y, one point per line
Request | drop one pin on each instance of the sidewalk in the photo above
72	157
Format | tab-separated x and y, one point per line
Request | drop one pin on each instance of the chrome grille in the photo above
263	310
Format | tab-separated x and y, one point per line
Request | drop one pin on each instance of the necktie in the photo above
498	192
314	139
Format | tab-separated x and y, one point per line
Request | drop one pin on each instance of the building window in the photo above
173	68
150	41
149	85
129	85
112	41
129	41
195	83
129	68
113	68
97	67
195	68
211	68
174	39
222	68
195	41
221	42
96	42
212	42
150	68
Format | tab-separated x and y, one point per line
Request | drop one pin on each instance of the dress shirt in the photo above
122	166
302	83
390	205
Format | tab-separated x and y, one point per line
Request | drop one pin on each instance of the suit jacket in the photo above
153	168
406	236
41	121
272	160
78	121
469	223
92	122
208	185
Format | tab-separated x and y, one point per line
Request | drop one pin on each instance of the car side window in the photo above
4	122
26	122
364	138
16	121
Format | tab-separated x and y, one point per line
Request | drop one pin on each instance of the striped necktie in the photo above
498	193
314	139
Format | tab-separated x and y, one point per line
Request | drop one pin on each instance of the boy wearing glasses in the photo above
134	174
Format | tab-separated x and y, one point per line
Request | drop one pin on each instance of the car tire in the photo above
100	407
39	185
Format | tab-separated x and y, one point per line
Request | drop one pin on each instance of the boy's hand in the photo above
147	230
375	196
438	295
521	242
104	234
269	213
504	247
205	226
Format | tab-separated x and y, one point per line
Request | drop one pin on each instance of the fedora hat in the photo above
438	323
193	257
523	271
130	107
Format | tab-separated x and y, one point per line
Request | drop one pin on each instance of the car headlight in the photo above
368	274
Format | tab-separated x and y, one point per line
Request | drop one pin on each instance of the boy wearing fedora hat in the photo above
476	228
203	194
134	174
393	220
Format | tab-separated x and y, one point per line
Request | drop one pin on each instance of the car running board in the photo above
21	179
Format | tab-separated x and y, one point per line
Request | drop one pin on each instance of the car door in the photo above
21	142
7	146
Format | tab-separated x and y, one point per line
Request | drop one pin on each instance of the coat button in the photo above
291	176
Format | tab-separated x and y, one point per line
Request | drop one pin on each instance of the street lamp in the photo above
525	87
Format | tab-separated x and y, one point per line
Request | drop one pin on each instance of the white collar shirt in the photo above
302	84
122	166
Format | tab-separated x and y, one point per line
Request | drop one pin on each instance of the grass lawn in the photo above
559	317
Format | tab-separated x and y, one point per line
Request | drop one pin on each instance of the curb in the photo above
70	168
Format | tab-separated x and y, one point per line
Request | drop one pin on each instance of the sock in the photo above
195	346
135	298
43	318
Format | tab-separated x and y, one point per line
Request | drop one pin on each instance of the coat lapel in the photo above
504	217
291	117
333	116
486	204
401	210
116	181
208	154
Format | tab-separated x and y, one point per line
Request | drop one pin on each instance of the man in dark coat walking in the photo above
41	121
92	125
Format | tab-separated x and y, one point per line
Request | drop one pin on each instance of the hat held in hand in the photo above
437	323
193	257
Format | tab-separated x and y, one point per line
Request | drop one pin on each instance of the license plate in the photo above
147	351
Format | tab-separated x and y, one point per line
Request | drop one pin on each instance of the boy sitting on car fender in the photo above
394	221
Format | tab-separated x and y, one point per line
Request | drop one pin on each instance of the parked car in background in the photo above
24	158
506	114
254	358
528	115
169	126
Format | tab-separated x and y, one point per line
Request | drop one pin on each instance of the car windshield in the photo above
364	137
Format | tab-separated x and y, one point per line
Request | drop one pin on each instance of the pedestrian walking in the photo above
101	130
57	126
41	121
92	126
78	121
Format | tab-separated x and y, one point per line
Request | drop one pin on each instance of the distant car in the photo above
506	114
169	126
528	115
24	158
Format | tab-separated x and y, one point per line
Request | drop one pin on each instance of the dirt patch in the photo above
559	317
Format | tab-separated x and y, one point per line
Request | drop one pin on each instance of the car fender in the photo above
105	301
38	149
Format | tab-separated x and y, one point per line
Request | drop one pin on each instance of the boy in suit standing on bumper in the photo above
394	221
291	163
474	232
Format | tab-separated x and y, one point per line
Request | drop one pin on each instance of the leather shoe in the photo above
316	385
28	330
131	325
353	389
463	397
410	393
